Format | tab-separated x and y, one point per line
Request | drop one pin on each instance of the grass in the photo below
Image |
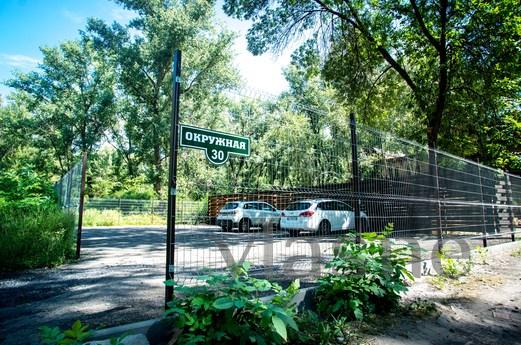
516	252
94	217
35	236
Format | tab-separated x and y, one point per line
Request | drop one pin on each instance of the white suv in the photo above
247	214
319	215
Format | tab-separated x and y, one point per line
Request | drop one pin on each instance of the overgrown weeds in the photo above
367	278
93	217
34	235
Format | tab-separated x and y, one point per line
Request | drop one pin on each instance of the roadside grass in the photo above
35	236
94	217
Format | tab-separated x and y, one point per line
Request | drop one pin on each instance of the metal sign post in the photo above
80	206
172	175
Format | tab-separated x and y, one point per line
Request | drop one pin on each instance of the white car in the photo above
247	214
319	215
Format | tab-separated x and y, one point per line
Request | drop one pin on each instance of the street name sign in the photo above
217	145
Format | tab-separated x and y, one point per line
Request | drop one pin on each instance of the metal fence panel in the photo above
430	197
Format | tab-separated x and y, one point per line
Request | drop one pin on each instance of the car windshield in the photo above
230	206
298	206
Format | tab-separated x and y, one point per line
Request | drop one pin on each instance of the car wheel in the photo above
245	225
293	232
324	228
226	227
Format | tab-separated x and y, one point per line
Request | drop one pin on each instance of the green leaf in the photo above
223	303
280	327
358	313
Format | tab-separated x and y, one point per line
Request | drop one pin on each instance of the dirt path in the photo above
480	309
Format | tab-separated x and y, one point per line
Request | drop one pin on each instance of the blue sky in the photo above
25	25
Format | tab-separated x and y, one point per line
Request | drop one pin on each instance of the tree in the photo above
450	55
142	53
71	100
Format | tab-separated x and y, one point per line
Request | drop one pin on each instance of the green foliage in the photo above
333	331
34	235
482	255
93	217
453	268
367	278
77	334
143	64
25	187
431	71
71	100
227	309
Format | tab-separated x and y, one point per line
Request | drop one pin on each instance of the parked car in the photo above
247	214
320	216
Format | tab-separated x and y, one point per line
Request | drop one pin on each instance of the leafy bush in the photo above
227	309
135	188
76	335
367	278
25	186
34	235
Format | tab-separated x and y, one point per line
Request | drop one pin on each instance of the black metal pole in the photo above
483	215
433	151
172	175
80	207
508	188
356	176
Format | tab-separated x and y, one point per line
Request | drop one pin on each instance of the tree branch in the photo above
423	27
385	54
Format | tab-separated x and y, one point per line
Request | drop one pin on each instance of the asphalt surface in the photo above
119	278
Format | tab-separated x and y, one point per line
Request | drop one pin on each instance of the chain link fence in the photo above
70	191
106	212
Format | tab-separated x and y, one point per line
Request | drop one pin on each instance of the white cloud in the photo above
122	15
74	17
19	61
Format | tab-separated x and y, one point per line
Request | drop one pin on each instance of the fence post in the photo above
120	213
508	188
80	206
482	207
356	176
440	235
152	210
172	175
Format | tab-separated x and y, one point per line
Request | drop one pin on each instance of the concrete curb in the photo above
131	328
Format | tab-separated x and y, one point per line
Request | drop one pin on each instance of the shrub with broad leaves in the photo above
228	309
